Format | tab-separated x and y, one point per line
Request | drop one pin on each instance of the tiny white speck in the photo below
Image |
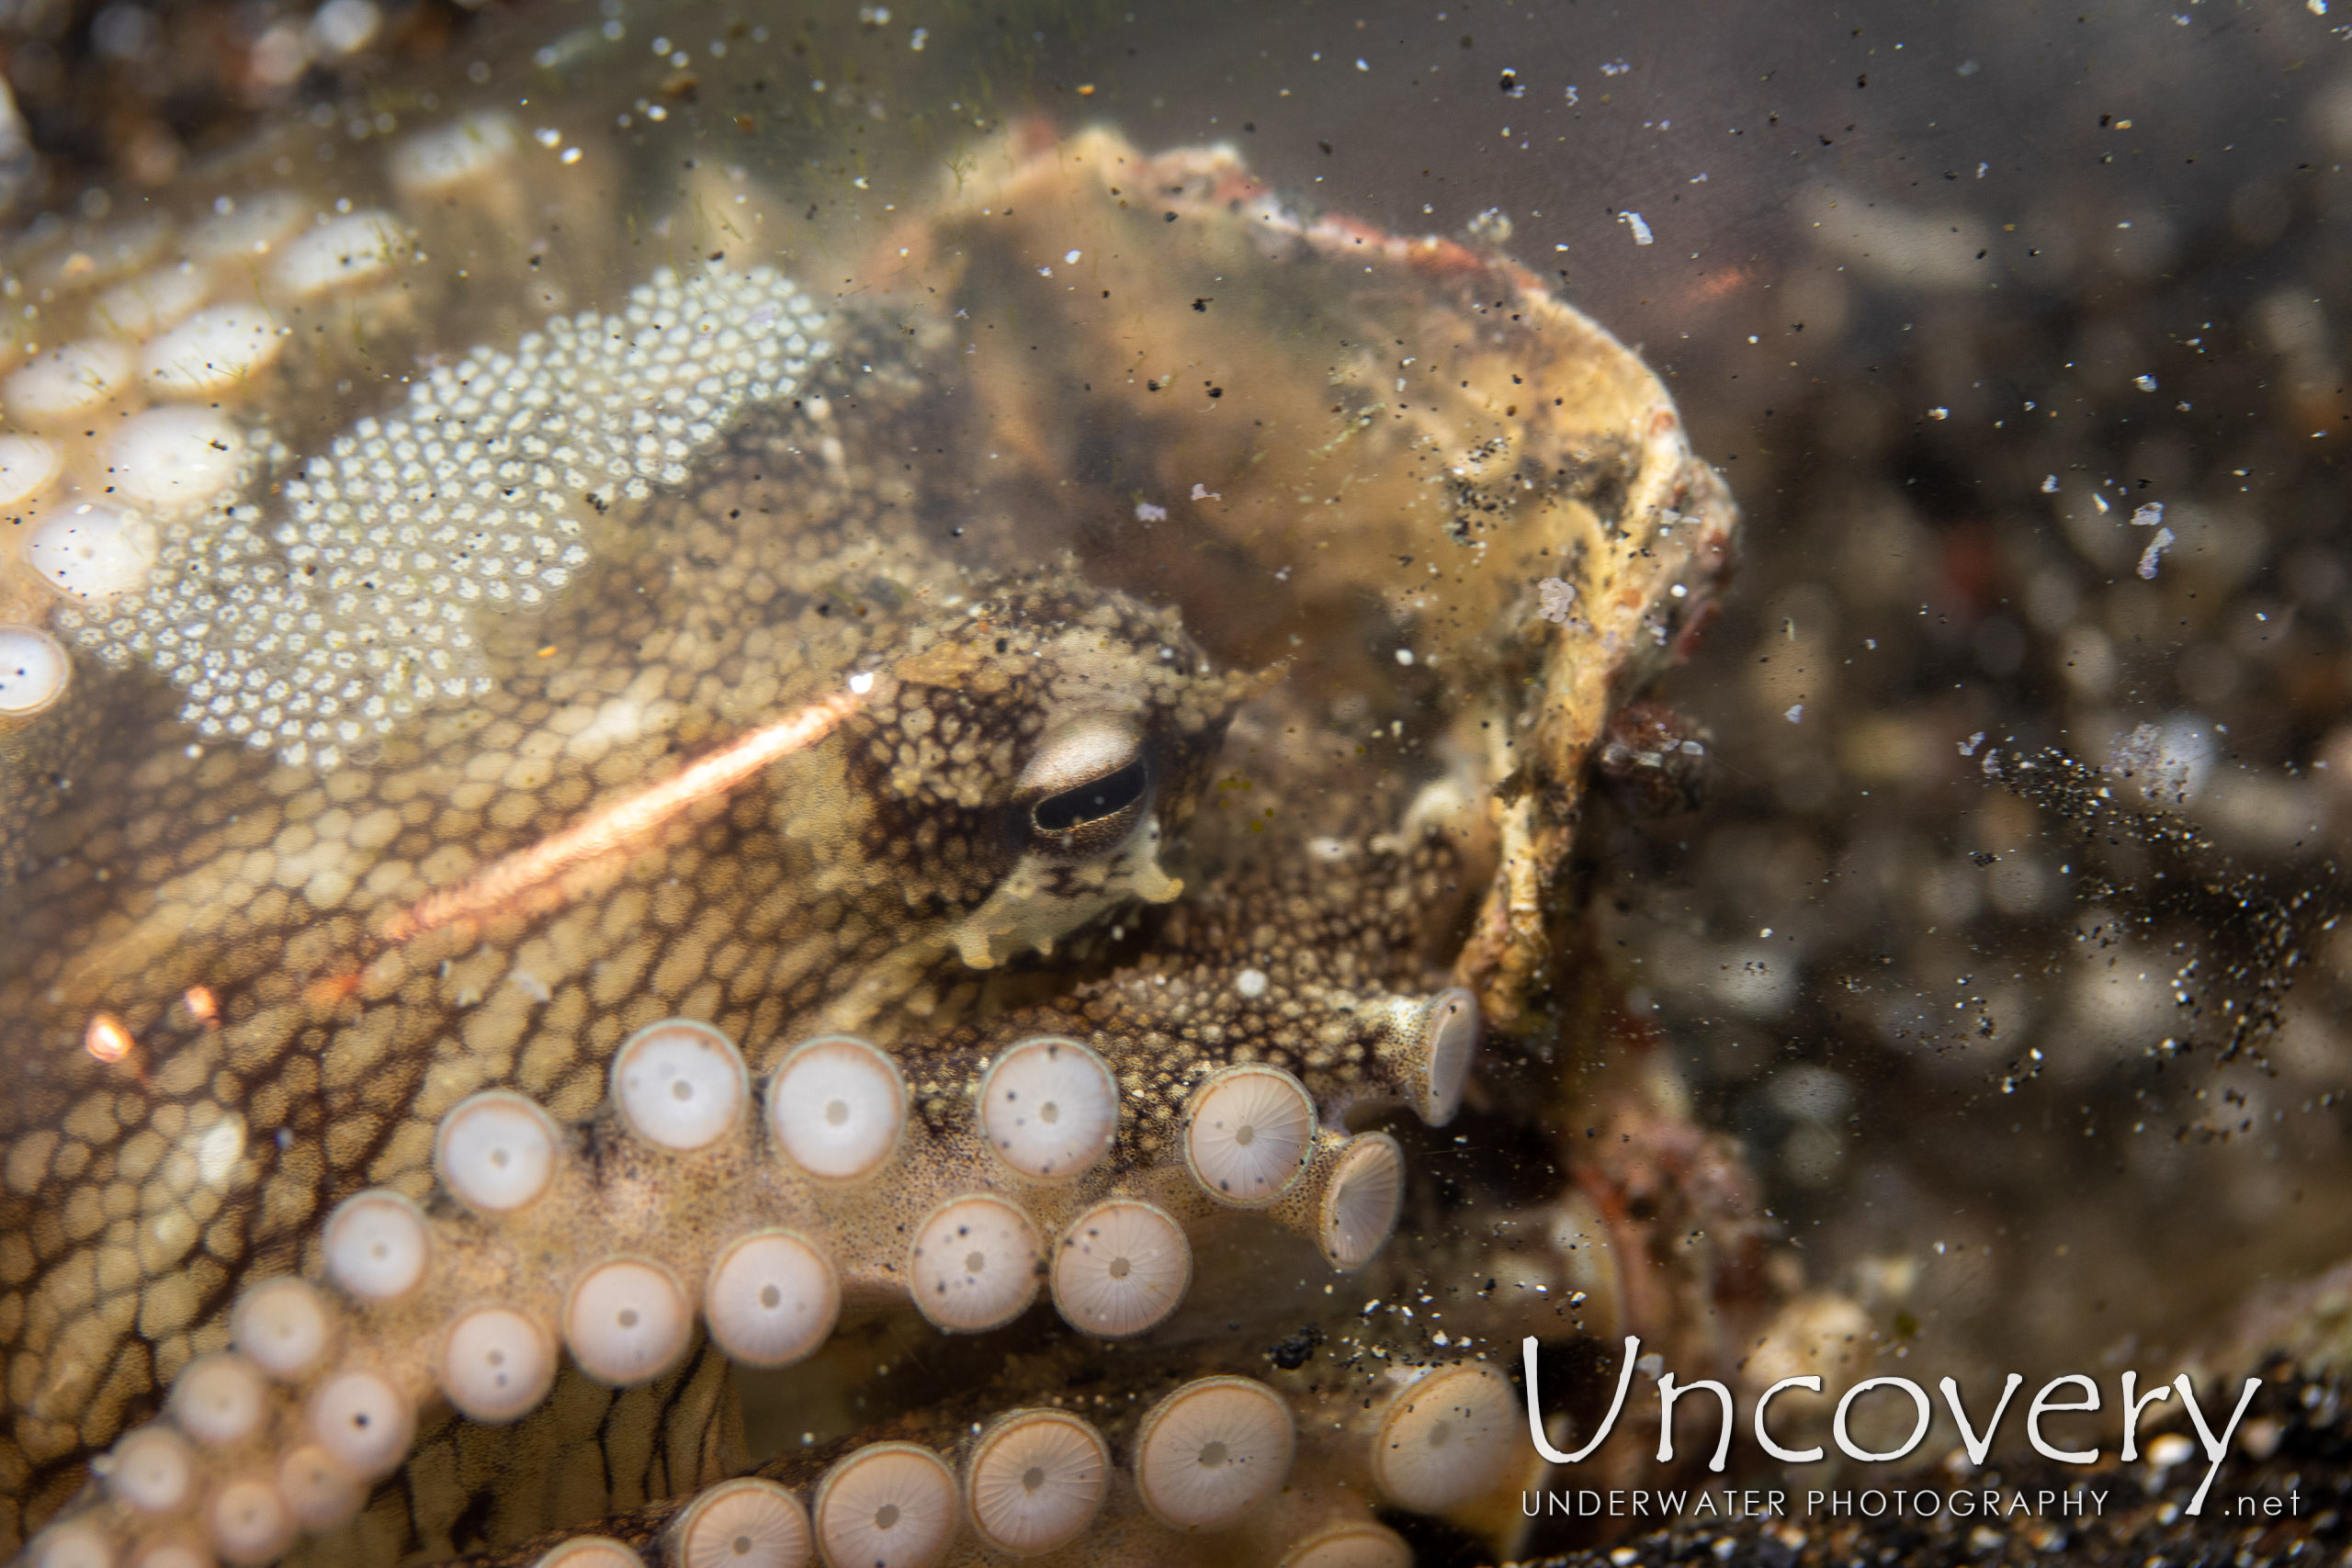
1939	414
2145	383
570	156
861	683
1147	513
1633	220
1404	656
2149	515
1072	256
2050	484
1795	713
1251	983
1361	66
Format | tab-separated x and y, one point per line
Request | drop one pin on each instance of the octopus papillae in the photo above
901	903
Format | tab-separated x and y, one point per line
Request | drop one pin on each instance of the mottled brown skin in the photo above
1332	822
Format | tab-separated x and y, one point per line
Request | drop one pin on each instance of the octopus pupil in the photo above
1033	1478
1212	1456
1121	1268
1106	796
742	1546
628	1317
1244	1134
886	1515
975	1261
681	1089
1050	1114
836	1113
770	1297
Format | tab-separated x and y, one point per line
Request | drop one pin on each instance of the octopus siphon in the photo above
897	901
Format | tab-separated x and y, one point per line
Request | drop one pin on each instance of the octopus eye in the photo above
1088	786
1107	797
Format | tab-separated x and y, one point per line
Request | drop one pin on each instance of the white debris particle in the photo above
1795	713
2149	515
1251	983
1615	68
1404	656
1202	492
2170	761
1361	65
2145	383
1146	512
2153	554
2050	484
1641	228
354	606
1939	414
1071	257
2173	1448
861	683
1556	600
1968	747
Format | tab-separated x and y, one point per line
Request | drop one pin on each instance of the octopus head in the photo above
1023	769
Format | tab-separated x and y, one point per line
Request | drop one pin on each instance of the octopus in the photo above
930	920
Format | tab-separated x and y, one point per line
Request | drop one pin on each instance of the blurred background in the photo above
2006	939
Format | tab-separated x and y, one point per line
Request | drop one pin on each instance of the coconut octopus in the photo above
563	942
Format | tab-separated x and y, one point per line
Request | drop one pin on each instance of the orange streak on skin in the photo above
612	827
106	1040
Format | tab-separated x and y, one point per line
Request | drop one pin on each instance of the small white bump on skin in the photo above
283	1325
363	1423
496	1152
80	1543
67	383
434	162
1361	1205
749	1523
1446	1439
377	1246
1366	1545
590	1552
173	463
35	669
886	1505
1050	1109
1249	985
680	1084
220	1399
1035	1481
626	1322
1248	1133
250	1522
836	1107
772	1298
1122	1267
974	1264
153	1471
321	1494
342	253
1212	1451
211	353
28	466
148	304
91	552
496	1364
